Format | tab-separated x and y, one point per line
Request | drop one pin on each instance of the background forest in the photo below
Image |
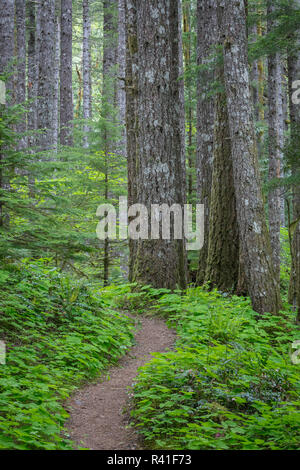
165	102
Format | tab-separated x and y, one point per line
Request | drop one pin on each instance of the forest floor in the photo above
97	419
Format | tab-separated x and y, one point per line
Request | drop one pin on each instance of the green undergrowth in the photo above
58	333
230	383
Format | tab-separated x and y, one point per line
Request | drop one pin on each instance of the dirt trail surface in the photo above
96	418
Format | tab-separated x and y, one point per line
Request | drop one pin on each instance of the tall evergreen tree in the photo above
66	93
109	99
159	262
294	76
275	121
7	17
222	266
32	69
86	68
46	80
20	81
131	87
254	238
207	35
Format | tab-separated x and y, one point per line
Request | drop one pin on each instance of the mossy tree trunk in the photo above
293	75
131	86
275	121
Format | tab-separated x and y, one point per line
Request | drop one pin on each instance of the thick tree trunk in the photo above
131	84
7	16
121	95
86	69
187	51
222	268
32	69
56	98
159	262
293	75
254	78
21	64
275	144
109	99
46	95
207	39
254	238
66	92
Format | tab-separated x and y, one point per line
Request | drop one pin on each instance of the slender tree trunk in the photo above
131	84
159	262
86	68
207	38
66	92
275	143
254	238
46	83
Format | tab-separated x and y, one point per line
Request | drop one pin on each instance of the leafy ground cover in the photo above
229	384
58	334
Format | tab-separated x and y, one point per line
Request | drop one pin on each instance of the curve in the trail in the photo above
96	418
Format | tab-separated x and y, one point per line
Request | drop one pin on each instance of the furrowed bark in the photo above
254	238
207	39
66	92
159	262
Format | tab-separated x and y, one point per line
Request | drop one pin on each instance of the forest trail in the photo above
97	421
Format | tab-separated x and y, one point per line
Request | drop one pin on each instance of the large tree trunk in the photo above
21	65
293	75
207	39
275	144
254	238
32	69
131	86
7	16
56	82
222	268
187	52
86	69
109	99
46	95
121	95
159	262
66	92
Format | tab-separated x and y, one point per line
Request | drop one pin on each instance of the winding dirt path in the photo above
96	418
